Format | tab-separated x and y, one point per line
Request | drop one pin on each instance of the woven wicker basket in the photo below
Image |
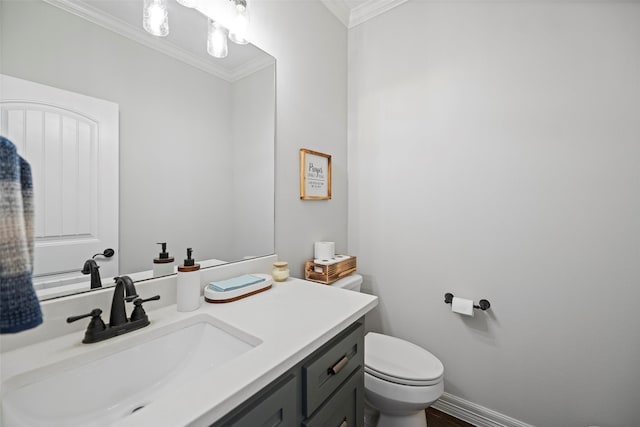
329	273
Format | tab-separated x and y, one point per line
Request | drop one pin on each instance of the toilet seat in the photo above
398	361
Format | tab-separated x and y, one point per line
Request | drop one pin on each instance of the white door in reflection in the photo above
71	142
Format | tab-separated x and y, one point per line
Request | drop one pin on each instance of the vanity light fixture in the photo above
217	40
227	19
238	32
155	18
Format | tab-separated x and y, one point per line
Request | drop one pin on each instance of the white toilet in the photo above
401	379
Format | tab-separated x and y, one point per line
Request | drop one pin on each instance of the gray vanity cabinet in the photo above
274	406
345	408
325	390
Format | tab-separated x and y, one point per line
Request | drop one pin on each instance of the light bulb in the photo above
238	32
217	40
188	3
155	18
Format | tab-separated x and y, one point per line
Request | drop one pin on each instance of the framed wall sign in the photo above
315	175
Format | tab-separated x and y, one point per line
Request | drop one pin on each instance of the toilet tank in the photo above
353	282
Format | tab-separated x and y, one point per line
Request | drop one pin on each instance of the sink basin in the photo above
102	386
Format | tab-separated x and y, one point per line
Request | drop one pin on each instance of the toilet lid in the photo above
399	361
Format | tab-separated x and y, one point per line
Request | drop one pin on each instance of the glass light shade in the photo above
155	18
217	40
188	3
238	32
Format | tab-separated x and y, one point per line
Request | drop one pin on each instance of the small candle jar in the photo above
280	271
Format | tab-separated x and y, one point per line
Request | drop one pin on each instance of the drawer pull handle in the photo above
338	366
344	423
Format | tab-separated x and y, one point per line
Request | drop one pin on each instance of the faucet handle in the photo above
138	312
95	313
139	301
95	326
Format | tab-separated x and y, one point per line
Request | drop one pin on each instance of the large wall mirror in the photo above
196	133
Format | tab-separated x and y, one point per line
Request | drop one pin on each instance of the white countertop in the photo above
292	319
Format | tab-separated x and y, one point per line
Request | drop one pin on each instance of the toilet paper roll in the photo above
324	250
462	306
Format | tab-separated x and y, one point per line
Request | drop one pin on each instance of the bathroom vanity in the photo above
292	355
326	389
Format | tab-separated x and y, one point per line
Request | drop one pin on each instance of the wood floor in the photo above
436	418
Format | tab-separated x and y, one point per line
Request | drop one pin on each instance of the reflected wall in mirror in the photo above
196	133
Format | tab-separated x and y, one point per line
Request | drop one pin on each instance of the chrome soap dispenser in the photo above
163	265
188	287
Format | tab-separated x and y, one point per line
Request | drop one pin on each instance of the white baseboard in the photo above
474	414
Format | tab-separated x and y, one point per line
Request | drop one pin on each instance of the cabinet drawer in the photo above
324	374
277	407
345	408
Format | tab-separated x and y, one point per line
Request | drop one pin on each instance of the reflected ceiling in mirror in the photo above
196	133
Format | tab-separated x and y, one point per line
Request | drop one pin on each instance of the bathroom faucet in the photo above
125	291
118	312
91	267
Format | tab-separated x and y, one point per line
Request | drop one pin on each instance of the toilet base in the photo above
373	418
371	415
417	419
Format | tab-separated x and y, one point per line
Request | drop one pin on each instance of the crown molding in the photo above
340	9
251	67
138	35
371	9
351	17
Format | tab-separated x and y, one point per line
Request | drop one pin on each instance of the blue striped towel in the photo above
19	305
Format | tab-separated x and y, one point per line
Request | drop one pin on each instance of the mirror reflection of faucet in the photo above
91	267
125	291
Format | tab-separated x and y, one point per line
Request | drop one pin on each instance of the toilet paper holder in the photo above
483	304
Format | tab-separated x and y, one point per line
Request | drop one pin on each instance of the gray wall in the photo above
494	153
253	124
310	45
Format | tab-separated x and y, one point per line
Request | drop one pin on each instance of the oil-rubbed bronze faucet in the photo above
118	322
118	312
91	267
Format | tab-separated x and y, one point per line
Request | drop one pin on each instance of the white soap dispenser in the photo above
188	287
163	265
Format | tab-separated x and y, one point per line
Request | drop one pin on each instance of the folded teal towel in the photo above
235	283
